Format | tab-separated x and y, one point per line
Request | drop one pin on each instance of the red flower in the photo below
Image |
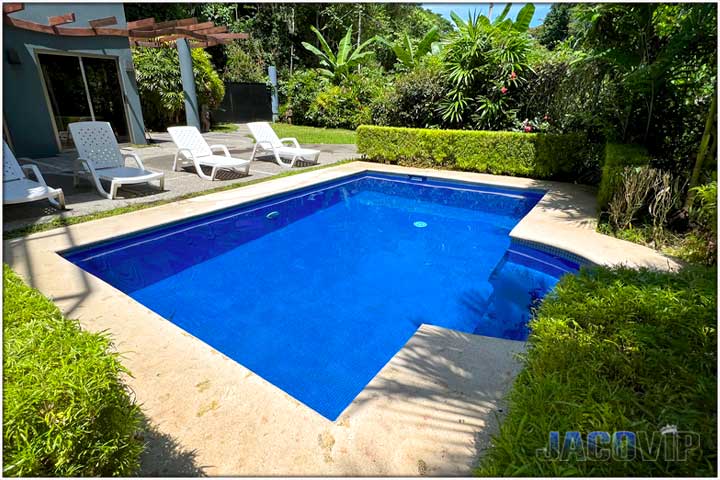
546	118
513	76
528	128
503	90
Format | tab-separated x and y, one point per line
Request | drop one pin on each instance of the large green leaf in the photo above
458	21
425	44
324	45
344	47
504	13
524	17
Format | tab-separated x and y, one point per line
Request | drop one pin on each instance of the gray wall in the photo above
25	108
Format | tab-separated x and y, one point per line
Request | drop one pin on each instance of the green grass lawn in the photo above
224	128
314	134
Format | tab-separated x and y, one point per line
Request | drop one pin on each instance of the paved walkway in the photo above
157	156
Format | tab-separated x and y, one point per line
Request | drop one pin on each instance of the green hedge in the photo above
612	350
617	157
66	411
507	153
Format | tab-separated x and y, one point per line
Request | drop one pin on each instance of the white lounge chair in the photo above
267	139
18	188
192	147
100	158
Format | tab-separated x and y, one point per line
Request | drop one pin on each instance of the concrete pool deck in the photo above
157	156
430	411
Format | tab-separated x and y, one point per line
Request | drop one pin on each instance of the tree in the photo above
338	65
555	27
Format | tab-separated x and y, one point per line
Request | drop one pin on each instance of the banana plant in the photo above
407	54
338	65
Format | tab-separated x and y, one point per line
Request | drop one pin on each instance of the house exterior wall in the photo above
25	107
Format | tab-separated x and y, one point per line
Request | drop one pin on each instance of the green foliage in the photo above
338	65
704	214
611	350
311	99
66	410
241	66
410	55
504	153
414	98
555	26
617	157
655	72
157	71
299	93
306	135
486	63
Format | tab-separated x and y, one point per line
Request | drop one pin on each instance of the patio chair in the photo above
18	188
100	158
267	139
193	148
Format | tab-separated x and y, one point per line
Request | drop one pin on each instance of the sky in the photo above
462	9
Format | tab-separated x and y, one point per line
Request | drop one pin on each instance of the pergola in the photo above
141	33
185	34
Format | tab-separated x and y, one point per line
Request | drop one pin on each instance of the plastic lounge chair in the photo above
192	147
267	139
18	188
100	158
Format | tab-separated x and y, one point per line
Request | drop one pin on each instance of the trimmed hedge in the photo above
616	350
617	157
507	153
66	410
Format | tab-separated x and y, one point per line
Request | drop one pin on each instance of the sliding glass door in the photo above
82	89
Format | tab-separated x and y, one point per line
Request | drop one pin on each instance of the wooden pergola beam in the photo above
142	33
212	30
27	25
231	36
12	7
61	19
103	22
200	26
137	24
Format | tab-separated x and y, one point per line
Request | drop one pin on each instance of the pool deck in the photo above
157	156
430	411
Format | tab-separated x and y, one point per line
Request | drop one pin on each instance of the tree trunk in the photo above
359	30
703	151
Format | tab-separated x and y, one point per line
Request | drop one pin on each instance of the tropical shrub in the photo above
507	153
634	186
313	100
486	63
409	55
66	409
704	215
338	65
617	157
157	71
413	99
616	350
242	66
299	93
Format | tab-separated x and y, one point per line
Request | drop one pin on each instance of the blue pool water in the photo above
316	290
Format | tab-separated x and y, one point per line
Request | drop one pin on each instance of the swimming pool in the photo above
315	290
